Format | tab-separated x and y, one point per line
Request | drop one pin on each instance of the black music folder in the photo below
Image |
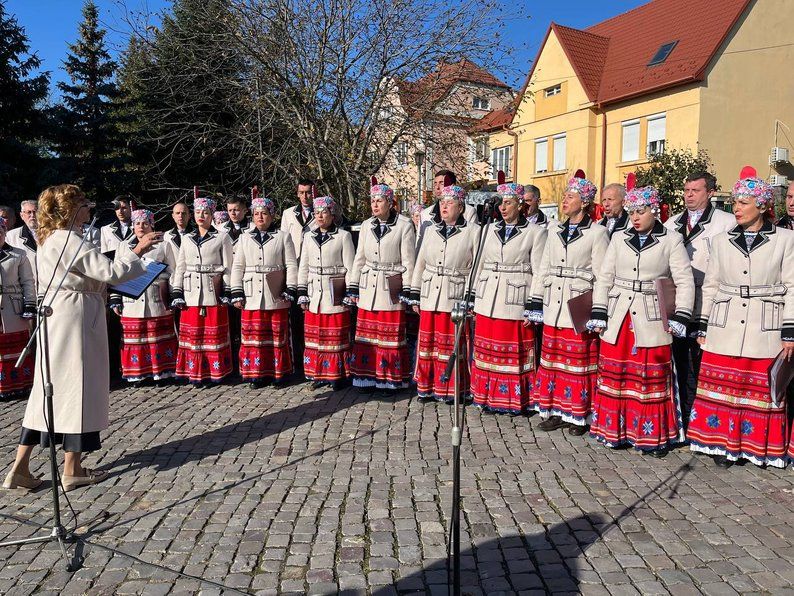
135	287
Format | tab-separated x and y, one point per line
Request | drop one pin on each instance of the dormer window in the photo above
662	53
552	91
481	103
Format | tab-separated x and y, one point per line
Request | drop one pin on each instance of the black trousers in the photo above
235	335
114	345
686	355
296	323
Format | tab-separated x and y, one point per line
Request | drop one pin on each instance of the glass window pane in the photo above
541	155
631	141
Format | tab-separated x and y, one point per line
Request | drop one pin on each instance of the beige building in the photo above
687	74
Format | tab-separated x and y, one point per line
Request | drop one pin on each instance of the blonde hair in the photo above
57	206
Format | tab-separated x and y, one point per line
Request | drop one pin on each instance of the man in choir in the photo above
238	218
432	215
615	216
24	236
532	201
300	219
182	224
120	230
699	224
7	213
787	221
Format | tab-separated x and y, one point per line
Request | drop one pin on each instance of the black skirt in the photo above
72	442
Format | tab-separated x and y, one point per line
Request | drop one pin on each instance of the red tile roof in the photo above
494	120
611	58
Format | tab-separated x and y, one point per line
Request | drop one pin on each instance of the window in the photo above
656	134
631	140
481	150
500	160
558	152
662	53
481	103
402	153
541	156
552	91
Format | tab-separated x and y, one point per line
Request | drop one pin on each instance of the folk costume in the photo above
614	225
698	229
17	306
636	401
381	276
297	221
174	235
201	287
503	368
566	380
78	344
748	311
264	279
148	341
25	239
442	268
326	261
113	234
539	218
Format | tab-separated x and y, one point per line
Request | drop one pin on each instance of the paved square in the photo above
292	491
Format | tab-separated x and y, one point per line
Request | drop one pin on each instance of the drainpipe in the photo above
603	147
510	132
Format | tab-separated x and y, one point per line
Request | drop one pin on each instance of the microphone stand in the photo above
58	533
458	357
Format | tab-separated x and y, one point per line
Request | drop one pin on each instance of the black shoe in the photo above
365	390
721	461
338	385
279	383
552	423
316	385
657	453
577	430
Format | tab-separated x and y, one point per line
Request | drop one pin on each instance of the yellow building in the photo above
686	74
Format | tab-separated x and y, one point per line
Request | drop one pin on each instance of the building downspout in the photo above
514	159
603	147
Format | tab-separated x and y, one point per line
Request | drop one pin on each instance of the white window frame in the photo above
559	163
544	167
481	149
656	142
480	103
552	91
500	160
401	153
624	146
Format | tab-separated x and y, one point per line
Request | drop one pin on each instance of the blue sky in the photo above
52	24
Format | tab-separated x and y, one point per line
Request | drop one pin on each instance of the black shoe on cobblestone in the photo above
552	423
657	453
577	430
722	461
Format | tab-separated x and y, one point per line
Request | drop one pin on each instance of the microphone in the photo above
490	206
106	206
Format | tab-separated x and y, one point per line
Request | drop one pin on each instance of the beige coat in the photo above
77	334
201	260
17	289
430	217
293	222
110	236
711	224
174	237
254	260
379	257
748	296
506	269
568	269
23	238
625	284
150	304
320	261
443	265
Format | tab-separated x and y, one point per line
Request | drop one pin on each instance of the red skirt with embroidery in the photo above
149	347
566	379
380	351
327	340
503	370
435	344
15	382
636	401
733	414
265	347
204	353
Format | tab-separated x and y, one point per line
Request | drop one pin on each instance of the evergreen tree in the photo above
89	140
22	121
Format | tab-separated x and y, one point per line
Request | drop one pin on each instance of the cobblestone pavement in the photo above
292	491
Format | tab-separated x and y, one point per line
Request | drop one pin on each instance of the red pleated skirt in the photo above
327	340
380	352
503	369
566	379
733	414
204	350
15	382
148	348
265	348
636	401
434	347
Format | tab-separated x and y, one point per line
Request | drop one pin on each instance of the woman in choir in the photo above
415	211
149	344
264	283
440	276
636	402
17	308
77	338
503	369
379	283
746	321
324	273
201	286
566	379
